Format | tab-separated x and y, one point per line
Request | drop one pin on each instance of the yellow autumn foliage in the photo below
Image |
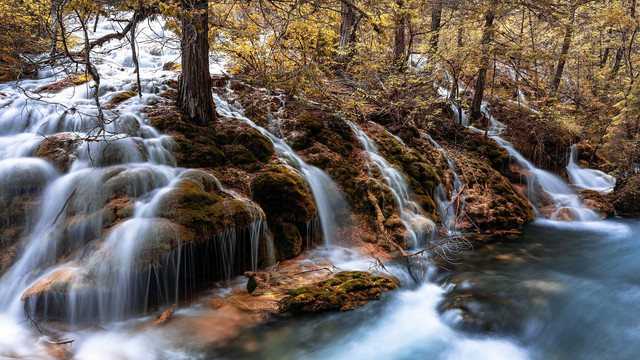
23	31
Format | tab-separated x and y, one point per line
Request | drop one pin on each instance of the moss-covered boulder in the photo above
345	291
288	204
283	195
287	240
202	213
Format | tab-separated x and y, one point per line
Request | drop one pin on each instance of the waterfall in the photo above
565	200
67	176
449	212
588	179
329	201
417	225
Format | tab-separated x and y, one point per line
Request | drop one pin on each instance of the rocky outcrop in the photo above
627	195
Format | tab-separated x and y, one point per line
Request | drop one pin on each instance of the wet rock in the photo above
597	202
257	281
346	291
59	149
212	146
61	280
123	96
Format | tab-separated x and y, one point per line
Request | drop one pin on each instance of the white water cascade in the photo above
66	177
411	214
589	179
450	209
330	203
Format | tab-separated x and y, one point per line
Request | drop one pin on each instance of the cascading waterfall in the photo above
450	209
589	179
417	225
565	199
67	266
333	210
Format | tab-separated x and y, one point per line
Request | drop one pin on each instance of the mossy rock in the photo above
195	154
287	241
343	292
212	146
123	96
283	195
203	213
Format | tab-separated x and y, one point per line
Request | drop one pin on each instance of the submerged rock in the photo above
345	291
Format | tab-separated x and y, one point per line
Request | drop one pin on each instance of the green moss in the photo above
283	195
195	154
123	96
287	241
344	292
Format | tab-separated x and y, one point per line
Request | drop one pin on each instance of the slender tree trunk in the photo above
487	35
348	24
616	63
399	57
436	20
195	97
566	44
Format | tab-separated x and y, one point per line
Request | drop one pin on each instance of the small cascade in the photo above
417	225
450	210
588	179
566	203
91	204
333	210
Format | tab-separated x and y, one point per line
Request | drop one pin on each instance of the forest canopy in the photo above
572	60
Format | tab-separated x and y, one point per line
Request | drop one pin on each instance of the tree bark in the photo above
566	44
348	23
195	97
436	20
487	35
399	57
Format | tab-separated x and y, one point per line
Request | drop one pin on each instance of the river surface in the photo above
561	291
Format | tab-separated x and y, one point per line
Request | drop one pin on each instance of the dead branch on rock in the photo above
41	330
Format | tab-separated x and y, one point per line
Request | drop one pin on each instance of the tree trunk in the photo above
400	42
436	20
347	32
195	97
566	44
487	34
